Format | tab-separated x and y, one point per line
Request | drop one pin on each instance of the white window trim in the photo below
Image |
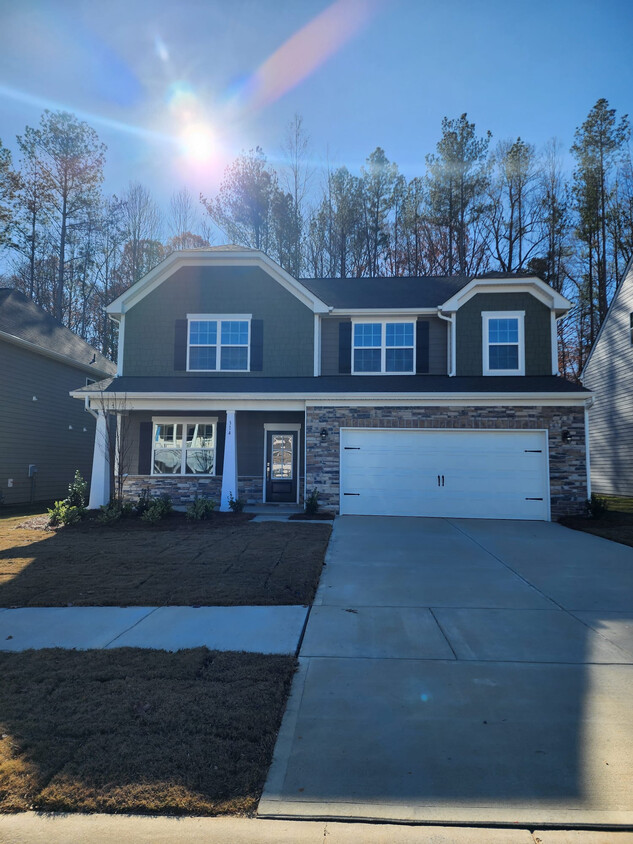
185	420
219	318
295	427
486	316
383	347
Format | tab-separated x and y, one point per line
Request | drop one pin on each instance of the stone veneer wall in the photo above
567	463
183	489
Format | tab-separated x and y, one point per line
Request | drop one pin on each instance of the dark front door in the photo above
281	466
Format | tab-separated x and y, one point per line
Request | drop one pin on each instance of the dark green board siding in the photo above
330	345
288	325
38	431
538	350
250	436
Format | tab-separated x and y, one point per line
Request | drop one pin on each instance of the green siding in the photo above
38	431
538	350
288	323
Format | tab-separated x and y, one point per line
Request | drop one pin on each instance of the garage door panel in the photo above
460	474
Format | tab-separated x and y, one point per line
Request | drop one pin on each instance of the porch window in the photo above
503	343
383	347
218	343
184	447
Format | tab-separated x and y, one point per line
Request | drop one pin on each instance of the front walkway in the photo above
271	630
462	671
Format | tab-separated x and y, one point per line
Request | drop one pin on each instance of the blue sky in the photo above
365	73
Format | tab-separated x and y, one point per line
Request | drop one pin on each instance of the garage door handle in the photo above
440	480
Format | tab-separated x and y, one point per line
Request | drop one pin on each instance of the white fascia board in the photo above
195	258
391	312
541	291
264	401
49	353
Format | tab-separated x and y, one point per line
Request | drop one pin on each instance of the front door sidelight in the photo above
281	466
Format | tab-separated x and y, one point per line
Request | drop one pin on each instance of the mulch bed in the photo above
226	561
618	527
138	731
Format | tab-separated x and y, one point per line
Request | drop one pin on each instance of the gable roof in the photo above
219	256
628	270
386	293
25	323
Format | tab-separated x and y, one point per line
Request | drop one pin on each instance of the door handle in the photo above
438	480
442	480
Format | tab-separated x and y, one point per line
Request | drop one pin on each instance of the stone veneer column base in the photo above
567	462
183	489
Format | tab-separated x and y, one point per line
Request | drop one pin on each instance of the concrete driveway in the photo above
463	670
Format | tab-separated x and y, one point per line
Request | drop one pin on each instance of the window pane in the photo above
199	461
503	330
367	360
168	435
203	332
199	436
234	358
368	334
167	461
281	463
503	357
202	357
235	333
399	360
399	334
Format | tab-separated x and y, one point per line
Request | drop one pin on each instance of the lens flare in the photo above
197	142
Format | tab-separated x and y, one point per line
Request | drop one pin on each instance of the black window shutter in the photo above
145	448
257	345
180	345
345	347
421	346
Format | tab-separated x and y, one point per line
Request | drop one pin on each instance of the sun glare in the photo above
197	142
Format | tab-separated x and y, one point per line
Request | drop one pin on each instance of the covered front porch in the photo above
217	452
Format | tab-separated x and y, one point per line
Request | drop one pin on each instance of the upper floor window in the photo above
383	347
218	343
184	447
503	343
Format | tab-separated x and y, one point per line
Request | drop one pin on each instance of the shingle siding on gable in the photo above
609	374
538	352
330	345
37	431
288	325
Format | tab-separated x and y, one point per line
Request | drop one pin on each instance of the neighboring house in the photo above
397	396
609	374
44	434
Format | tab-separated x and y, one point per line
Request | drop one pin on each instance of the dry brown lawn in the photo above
133	730
615	524
223	562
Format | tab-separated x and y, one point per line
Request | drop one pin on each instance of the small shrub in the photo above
63	513
312	502
236	504
596	507
78	492
200	509
144	500
157	509
111	513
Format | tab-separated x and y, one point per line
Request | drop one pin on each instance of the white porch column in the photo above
229	470
100	479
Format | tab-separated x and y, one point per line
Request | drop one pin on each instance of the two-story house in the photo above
395	396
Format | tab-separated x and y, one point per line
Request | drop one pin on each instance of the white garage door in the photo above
459	474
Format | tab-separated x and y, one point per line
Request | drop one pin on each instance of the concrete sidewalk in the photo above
271	630
31	828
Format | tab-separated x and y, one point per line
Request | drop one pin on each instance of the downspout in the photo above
450	341
588	404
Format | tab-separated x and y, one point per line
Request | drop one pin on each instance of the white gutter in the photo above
451	346
588	405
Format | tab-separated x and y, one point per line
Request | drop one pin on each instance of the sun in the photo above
197	142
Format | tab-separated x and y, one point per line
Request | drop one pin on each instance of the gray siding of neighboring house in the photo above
39	432
538	350
330	344
609	374
288	323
